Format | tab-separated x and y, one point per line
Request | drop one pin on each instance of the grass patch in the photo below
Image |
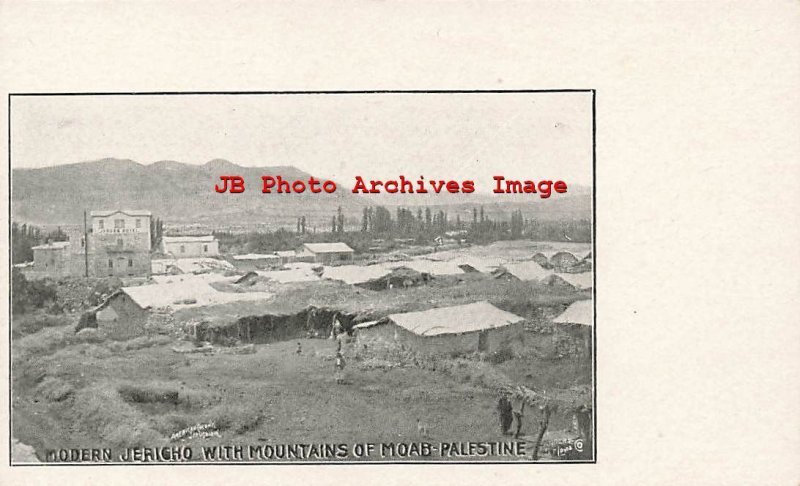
54	389
44	342
140	342
24	324
100	411
237	418
147	394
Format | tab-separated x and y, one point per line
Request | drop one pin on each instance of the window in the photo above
119	242
101	224
110	263
138	223
183	249
119	224
130	262
205	248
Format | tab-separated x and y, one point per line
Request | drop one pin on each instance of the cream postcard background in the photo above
698	147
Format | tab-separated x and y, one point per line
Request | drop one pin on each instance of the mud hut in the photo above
563	260
525	271
476	327
577	321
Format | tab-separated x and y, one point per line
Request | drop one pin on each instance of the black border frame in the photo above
321	92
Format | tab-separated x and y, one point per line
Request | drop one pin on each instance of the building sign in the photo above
119	230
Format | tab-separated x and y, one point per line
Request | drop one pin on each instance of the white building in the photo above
325	252
190	246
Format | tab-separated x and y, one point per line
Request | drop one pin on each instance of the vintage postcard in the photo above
302	277
359	242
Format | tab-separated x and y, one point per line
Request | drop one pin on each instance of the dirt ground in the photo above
79	396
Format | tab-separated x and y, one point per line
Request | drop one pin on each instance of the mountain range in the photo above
183	194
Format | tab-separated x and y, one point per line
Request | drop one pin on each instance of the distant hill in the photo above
183	194
173	191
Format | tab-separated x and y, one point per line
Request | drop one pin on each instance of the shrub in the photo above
139	394
31	323
30	294
501	356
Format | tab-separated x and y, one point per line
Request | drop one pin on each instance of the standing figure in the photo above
339	368
299	350
506	416
518	415
336	327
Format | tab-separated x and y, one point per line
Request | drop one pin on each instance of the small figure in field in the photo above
299	350
336	327
505	409
339	368
422	429
518	416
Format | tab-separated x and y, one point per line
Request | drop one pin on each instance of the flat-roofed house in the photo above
53	260
577	320
326	253
119	243
190	246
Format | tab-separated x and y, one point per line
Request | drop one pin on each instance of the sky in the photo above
531	136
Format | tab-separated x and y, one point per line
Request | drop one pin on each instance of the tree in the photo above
303	224
333	224
340	219
364	220
516	224
23	239
156	232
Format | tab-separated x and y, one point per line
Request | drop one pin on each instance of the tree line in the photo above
24	237
423	225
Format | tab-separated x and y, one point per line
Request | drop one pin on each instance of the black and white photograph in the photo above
400	242
303	277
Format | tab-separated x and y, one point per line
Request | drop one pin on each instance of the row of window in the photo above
118	223
205	249
111	262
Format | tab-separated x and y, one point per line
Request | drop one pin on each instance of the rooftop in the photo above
56	245
527	270
127	212
578	280
338	247
187	239
457	319
579	312
256	256
186	291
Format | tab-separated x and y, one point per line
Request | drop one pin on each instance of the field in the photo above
88	394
